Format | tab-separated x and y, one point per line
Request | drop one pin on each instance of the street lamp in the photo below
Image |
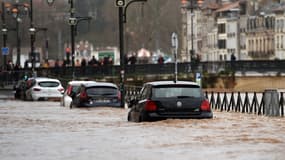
17	10
191	5
4	31
123	5
73	22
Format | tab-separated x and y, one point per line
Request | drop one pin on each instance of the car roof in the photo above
77	83
41	79
107	84
158	83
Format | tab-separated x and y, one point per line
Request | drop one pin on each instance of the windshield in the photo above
102	91
48	84
182	91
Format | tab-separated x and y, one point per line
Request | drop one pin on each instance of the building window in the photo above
221	57
277	45
222	44
281	42
222	28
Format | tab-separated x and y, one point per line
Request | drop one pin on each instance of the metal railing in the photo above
244	102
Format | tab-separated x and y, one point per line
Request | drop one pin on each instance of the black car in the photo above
169	99
97	94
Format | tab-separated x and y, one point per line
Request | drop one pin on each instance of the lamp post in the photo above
122	7
17	10
4	33
191	5
73	22
32	31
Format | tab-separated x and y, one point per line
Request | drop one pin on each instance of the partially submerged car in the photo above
97	94
70	92
168	99
42	88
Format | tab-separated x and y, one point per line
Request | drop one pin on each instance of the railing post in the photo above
225	102
239	102
212	100
246	104
271	103
281	104
218	101
232	102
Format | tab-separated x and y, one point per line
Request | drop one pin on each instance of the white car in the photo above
71	89
42	88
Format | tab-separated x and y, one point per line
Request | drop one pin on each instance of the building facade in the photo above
249	30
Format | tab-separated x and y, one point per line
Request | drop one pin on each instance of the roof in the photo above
229	6
157	83
211	5
280	8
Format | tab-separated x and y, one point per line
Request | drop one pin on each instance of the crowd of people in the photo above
129	60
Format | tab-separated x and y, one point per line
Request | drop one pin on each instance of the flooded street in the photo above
44	130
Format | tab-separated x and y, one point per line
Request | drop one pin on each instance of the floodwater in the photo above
44	130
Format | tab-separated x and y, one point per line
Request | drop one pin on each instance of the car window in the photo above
75	89
101	90
145	92
177	91
48	84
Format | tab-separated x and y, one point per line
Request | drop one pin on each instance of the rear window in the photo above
48	84
177	91
101	91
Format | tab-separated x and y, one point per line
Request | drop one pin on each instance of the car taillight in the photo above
68	90
83	95
37	89
61	89
205	106
119	95
150	106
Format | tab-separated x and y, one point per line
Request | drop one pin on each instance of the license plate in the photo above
103	100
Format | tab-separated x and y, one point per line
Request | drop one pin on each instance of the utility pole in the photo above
72	32
123	6
32	32
122	56
4	32
192	52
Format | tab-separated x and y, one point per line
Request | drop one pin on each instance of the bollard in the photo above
271	102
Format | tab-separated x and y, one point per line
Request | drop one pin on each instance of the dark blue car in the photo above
97	94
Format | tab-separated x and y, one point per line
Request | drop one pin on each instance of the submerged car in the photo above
71	89
42	88
168	99
97	94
